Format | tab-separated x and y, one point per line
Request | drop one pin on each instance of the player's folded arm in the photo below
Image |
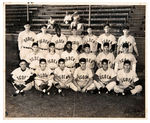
96	77
31	78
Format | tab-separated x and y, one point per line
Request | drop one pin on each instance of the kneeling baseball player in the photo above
22	78
105	78
128	80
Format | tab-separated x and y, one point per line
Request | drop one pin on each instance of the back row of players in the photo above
81	64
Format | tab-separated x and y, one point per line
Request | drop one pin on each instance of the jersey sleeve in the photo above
90	73
19	40
98	72
114	39
135	77
133	41
113	74
75	73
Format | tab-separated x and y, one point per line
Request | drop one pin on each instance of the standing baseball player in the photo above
75	39
90	57
106	54
44	78
107	37
52	57
43	40
105	78
128	80
22	78
91	40
125	56
127	38
63	77
34	57
70	56
25	40
59	40
83	77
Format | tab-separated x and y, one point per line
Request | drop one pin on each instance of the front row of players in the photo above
105	80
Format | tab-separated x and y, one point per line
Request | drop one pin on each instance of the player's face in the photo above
125	32
89	31
43	29
23	65
52	48
74	31
106	29
127	67
106	49
125	50
83	65
69	46
35	48
86	49
43	65
27	27
62	65
105	66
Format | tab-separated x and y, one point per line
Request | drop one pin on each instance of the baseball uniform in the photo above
92	41
59	43
43	42
125	80
104	77
109	39
25	41
119	61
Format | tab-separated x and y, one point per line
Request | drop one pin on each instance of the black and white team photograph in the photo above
74	60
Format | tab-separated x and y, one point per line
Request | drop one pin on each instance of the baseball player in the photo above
91	40
107	37
83	77
34	57
127	38
25	40
44	78
75	39
106	54
128	80
70	56
52	57
59	40
22	78
125	56
90	57
43	40
63	77
105	78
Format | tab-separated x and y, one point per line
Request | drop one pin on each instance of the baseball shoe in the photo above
15	94
22	93
99	92
123	94
48	93
61	92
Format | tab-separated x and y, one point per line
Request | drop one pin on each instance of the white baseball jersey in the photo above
125	78
63	74
110	57
52	60
59	41
130	40
122	57
76	41
92	41
21	76
83	75
26	39
109	39
90	57
33	59
43	40
70	58
107	75
43	75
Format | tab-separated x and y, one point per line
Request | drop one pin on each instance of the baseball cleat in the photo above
14	95
48	93
99	92
22	93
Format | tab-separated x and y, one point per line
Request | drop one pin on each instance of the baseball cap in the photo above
125	27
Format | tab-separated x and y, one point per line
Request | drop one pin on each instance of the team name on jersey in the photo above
91	40
43	41
52	61
70	58
64	76
35	58
83	76
28	39
21	77
42	75
107	41
105	77
126	79
59	41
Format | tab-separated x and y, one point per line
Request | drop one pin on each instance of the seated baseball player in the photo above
90	57
52	57
128	80
51	23
44	78
68	18
105	78
106	54
70	56
83	77
22	78
125	56
34	57
63	77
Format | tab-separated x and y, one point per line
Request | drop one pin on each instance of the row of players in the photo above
27	37
105	79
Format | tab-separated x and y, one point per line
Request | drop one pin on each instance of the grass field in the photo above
72	105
